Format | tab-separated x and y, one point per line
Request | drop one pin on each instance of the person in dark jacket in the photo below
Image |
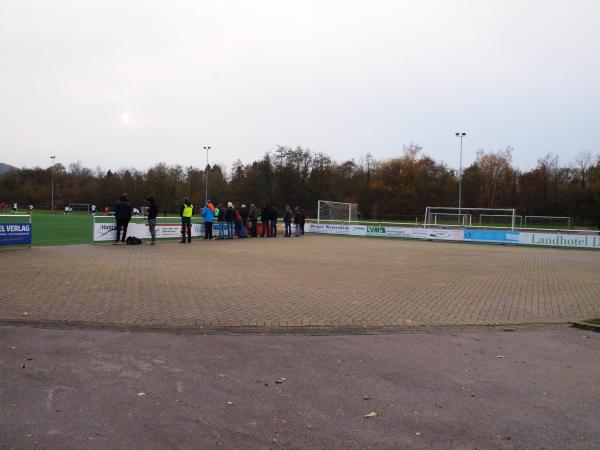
265	216
273	219
253	216
298	221
302	220
244	212
287	221
186	210
123	211
221	221
229	218
152	213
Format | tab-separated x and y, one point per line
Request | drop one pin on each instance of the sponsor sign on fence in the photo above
560	240
495	236
468	235
327	228
15	234
393	232
108	231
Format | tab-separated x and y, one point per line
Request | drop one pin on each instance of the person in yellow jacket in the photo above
186	210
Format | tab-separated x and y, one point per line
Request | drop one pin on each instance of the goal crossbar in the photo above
432	212
330	210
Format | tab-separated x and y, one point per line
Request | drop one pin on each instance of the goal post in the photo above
80	207
336	211
499	219
464	217
548	220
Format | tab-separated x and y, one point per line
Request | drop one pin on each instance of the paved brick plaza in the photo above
323	281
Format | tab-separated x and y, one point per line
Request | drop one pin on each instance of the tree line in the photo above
393	189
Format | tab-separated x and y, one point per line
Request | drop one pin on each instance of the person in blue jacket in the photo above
208	216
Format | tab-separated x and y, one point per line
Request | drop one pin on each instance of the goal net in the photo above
495	220
552	221
336	211
470	217
80	207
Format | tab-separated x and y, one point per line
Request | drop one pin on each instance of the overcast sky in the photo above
121	83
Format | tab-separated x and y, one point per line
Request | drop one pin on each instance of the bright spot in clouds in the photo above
126	118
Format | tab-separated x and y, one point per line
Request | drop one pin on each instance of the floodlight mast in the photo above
460	135
52	157
206	176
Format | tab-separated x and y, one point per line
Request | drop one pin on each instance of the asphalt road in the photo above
531	388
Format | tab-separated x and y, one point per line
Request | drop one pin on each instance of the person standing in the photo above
123	211
265	215
287	221
93	210
238	224
302	221
208	216
297	221
253	216
273	219
221	221
15	208
244	213
229	216
152	213
186	210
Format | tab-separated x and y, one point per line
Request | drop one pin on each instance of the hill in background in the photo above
5	168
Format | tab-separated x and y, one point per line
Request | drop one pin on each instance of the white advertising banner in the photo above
415	233
108	231
394	232
470	235
327	228
560	240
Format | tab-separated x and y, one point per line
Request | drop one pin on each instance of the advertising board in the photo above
327	228
459	234
495	236
15	234
108	231
560	240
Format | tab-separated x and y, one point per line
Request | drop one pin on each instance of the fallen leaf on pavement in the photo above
222	375
500	357
371	414
23	365
141	394
417	434
229	403
25	313
366	397
280	380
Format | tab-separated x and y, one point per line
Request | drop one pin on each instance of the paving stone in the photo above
314	281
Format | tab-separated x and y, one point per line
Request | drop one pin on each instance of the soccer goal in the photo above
336	211
548	220
80	207
495	220
465	217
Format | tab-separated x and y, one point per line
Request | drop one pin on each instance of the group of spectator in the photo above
227	220
231	220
